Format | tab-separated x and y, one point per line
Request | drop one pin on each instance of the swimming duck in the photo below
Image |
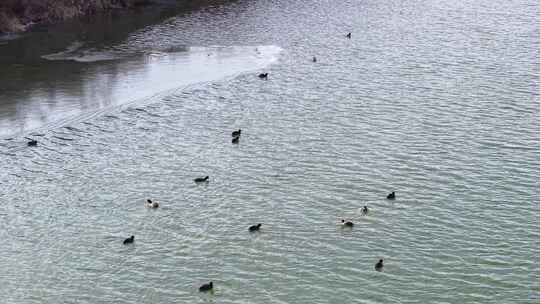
236	133
32	143
347	224
236	140
129	240
201	179
206	287
349	35
365	210
255	228
379	266
151	204
391	196
314	59
263	75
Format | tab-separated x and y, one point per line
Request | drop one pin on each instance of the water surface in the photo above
435	100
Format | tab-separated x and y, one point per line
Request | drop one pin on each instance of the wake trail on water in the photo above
148	77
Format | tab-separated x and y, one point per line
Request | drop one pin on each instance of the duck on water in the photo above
236	133
207	287
379	266
129	240
150	204
201	179
347	223
255	228
365	210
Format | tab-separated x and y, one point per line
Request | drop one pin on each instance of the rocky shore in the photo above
18	15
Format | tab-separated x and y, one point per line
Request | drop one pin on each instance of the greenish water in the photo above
435	100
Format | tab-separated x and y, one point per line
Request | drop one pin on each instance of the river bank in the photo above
18	16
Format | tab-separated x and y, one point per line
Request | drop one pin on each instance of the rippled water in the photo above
433	99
